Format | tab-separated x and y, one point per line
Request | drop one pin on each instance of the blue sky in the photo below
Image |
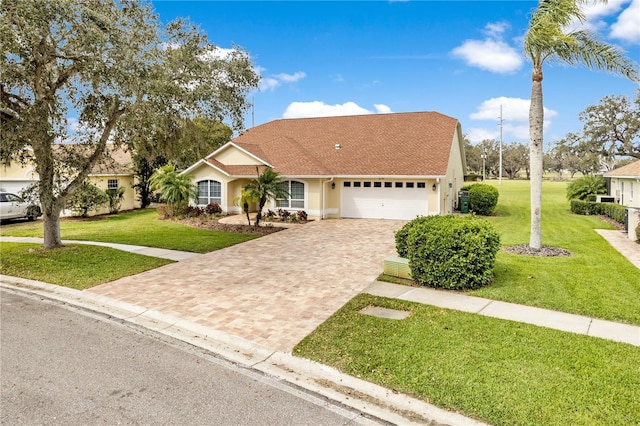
460	58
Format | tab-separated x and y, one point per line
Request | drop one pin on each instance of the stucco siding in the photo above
15	177
129	200
232	156
626	191
455	176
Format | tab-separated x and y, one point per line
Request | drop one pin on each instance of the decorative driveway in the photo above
273	290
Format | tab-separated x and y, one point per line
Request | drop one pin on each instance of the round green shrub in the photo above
401	235
452	252
483	199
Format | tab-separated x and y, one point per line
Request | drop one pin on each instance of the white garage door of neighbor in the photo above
402	200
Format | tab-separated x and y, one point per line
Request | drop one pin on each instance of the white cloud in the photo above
273	81
495	29
492	53
627	27
515	119
218	53
268	83
478	134
291	78
320	109
513	109
382	108
594	12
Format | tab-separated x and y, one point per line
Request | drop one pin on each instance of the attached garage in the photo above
403	200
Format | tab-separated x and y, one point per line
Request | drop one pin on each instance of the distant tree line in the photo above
609	139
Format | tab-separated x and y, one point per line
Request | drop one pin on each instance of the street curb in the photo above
374	400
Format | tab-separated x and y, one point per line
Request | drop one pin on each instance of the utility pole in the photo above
500	171
253	111
484	157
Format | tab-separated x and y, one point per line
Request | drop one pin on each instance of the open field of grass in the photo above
139	227
595	281
77	266
502	372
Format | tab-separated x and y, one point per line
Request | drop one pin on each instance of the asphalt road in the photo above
61	365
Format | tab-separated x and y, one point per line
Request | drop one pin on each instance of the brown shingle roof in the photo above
401	144
115	162
630	170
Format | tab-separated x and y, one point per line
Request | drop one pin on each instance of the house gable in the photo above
231	154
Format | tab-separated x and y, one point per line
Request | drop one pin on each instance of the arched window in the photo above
296	195
209	191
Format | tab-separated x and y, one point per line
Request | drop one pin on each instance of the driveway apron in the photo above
273	290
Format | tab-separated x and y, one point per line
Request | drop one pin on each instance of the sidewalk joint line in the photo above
489	302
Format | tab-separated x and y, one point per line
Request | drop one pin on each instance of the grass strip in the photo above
138	227
76	266
501	372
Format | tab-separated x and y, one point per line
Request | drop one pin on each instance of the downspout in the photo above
323	196
439	195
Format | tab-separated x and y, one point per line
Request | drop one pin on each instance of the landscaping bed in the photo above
213	223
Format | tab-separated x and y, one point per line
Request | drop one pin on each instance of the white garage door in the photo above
383	200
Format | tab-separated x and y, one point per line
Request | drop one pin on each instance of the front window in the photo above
296	195
112	184
209	191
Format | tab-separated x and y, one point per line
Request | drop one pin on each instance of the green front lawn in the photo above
139	227
501	372
77	266
596	281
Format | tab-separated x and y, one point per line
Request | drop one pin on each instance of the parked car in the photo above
14	207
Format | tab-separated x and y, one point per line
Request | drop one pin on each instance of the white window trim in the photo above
274	203
222	187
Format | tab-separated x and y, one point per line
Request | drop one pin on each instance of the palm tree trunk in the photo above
536	120
245	207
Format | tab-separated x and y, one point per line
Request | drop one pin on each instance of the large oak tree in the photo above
93	72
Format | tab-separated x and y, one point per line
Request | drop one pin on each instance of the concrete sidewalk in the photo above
146	251
562	321
621	242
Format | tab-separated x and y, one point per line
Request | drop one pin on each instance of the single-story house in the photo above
112	172
625	184
388	166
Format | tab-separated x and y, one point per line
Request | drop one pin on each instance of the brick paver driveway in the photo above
272	290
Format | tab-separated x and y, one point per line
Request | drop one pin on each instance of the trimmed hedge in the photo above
451	252
611	210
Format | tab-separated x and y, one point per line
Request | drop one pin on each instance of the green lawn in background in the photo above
77	266
502	372
138	227
595	281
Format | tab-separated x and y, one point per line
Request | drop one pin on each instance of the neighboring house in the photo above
15	177
389	166
113	172
625	184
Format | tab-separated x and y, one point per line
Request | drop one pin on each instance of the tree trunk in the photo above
52	229
536	119
263	201
246	211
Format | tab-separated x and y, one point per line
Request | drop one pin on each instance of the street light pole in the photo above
484	156
500	180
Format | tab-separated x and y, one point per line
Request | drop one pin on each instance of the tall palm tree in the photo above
268	185
175	189
547	39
